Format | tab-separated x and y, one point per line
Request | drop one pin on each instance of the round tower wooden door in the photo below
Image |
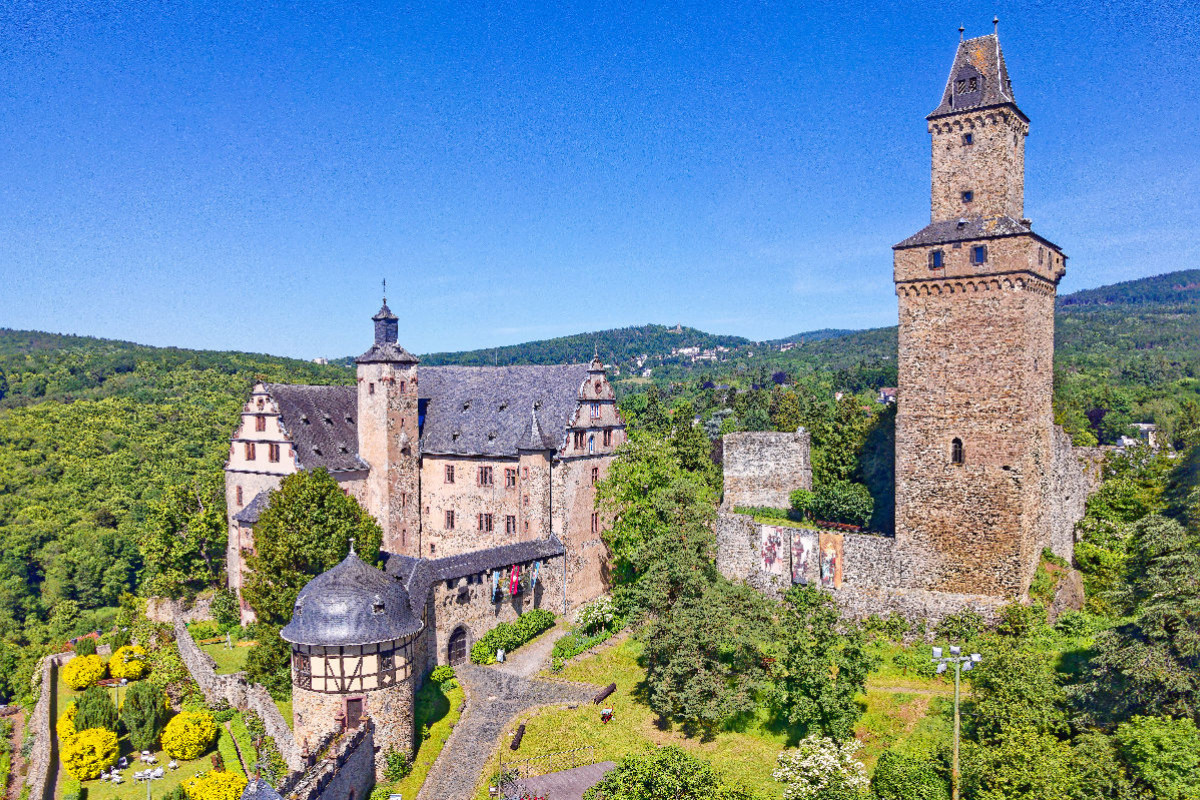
456	650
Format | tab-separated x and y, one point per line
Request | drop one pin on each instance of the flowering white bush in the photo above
595	615
817	761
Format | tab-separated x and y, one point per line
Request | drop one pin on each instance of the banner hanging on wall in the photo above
804	557
772	549
831	560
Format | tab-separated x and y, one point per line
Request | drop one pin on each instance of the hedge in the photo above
72	789
82	671
215	785
228	751
129	662
66	723
89	752
188	735
509	636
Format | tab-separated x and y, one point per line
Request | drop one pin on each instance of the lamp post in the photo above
961	664
149	776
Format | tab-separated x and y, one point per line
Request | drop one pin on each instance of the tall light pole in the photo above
149	776
961	664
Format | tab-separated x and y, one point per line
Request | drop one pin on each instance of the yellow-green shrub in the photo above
89	752
82	671
215	785
66	723
129	662
189	734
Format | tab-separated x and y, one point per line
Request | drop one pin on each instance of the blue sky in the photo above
243	175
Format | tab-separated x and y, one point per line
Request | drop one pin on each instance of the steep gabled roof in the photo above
486	410
980	59
322	422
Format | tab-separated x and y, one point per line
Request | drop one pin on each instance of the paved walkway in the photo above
495	697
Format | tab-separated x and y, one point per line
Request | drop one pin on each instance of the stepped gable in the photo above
485	410
322	422
249	515
418	575
979	59
351	604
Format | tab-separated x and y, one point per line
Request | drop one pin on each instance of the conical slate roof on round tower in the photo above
351	604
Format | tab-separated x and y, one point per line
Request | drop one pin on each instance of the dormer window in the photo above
968	196
304	419
377	605
937	259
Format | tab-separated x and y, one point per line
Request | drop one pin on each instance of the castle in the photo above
984	479
449	460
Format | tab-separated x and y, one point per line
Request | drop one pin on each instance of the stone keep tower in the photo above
976	291
388	434
352	635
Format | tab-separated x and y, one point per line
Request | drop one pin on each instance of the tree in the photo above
89	752
705	660
225	608
821	670
305	530
95	709
900	776
785	416
184	548
268	662
821	769
661	539
143	714
1101	772
1015	687
1022	764
668	772
1151	665
1163	755
693	447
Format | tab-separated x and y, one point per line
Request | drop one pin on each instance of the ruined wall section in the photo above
762	468
347	772
1075	476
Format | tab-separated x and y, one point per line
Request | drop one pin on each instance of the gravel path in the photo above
495	697
16	773
532	658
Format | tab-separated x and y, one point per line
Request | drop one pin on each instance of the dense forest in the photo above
111	452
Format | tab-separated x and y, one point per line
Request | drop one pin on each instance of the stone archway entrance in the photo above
456	650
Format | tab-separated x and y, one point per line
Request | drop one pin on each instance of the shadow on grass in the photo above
432	706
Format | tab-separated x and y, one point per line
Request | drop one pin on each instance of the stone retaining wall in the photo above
239	693
39	774
346	773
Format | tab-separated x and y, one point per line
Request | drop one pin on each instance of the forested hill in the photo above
37	366
619	345
1172	289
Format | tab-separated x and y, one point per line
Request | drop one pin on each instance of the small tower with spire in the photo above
976	291
388	435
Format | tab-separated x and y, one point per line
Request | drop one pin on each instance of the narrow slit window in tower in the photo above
956	451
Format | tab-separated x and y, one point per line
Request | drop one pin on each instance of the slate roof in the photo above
486	410
966	229
387	351
253	510
352	603
258	789
978	57
418	575
322	422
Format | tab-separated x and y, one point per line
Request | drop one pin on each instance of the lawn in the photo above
440	711
285	708
228	660
744	756
129	789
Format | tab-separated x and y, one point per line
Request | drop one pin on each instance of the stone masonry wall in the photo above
235	690
763	468
1076	475
874	572
346	773
992	166
39	775
467	604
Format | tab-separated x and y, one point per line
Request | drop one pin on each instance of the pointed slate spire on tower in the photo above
532	438
978	78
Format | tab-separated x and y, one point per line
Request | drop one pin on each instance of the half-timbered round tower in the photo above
352	634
